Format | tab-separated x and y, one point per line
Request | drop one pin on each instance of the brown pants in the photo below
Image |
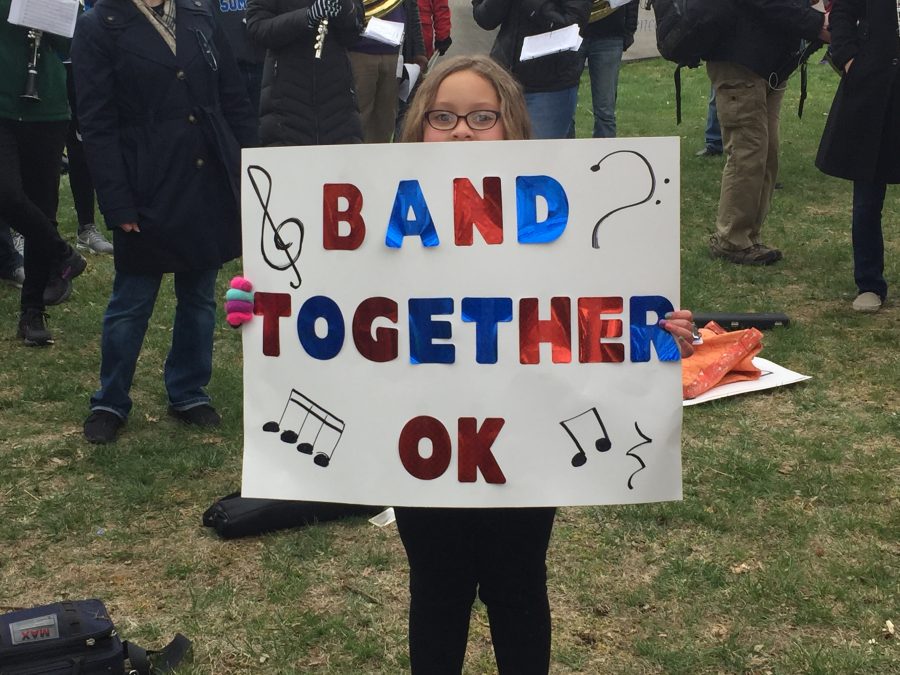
748	114
375	76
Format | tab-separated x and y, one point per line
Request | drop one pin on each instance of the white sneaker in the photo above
90	239
867	302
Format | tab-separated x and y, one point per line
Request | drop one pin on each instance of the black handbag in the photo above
234	516
77	638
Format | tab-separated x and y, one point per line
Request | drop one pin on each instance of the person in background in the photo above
713	133
231	15
306	100
163	122
861	141
498	554
748	71
434	16
377	69
605	41
88	237
550	82
12	264
34	117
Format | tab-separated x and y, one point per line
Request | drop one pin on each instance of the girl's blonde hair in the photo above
513	112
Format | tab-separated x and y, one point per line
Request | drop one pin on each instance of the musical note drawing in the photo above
595	236
317	431
646	440
284	247
583	424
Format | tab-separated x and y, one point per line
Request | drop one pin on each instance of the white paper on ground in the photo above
51	16
384	518
562	40
388	32
772	376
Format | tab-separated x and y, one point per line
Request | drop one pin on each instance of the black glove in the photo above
443	45
321	9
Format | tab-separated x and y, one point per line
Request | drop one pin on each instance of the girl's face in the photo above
461	93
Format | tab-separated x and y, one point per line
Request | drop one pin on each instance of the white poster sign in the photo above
463	324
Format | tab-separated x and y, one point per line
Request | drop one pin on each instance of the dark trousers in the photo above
868	241
79	178
30	154
498	553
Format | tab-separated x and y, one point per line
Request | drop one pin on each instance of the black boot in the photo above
32	328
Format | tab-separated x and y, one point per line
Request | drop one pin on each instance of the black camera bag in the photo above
76	638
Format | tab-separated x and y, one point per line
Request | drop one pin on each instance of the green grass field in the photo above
783	557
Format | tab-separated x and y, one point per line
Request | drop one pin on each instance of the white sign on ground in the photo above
463	324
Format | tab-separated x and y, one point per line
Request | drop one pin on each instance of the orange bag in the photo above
723	357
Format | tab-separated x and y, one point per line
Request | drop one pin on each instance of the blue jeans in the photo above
551	112
604	58
189	363
713	130
868	240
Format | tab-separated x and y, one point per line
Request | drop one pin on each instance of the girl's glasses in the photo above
477	120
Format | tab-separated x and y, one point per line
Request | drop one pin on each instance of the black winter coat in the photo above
766	36
862	136
305	100
519	19
162	135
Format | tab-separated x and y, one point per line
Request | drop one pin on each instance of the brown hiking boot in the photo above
757	254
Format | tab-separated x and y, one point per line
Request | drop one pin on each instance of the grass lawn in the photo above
783	558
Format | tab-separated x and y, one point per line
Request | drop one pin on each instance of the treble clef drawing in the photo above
283	246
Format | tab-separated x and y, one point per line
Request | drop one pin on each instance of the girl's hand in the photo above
680	324
239	302
130	227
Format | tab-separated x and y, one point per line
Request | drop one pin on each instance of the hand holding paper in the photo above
554	42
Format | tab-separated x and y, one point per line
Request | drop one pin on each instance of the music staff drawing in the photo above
313	429
285	248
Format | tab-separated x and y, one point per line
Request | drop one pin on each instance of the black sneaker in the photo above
200	415
101	426
32	328
57	291
59	286
72	265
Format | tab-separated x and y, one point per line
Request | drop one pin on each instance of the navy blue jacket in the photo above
519	19
862	136
162	134
766	35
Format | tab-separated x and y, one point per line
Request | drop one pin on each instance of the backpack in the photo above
688	30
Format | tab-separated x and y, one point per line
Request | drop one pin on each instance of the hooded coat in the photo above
162	134
862	135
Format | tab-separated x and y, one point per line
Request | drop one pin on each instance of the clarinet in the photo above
320	37
34	43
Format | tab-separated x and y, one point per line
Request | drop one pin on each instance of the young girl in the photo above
497	553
